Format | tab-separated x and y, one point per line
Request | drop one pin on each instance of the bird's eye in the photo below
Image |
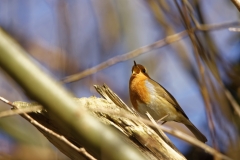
144	70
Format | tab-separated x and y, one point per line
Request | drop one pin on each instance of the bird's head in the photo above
139	69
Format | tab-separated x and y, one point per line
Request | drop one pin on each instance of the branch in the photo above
144	138
174	132
19	111
18	65
203	85
161	133
169	39
127	122
126	56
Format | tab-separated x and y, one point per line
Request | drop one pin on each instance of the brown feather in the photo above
165	94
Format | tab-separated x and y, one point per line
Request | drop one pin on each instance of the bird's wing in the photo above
161	91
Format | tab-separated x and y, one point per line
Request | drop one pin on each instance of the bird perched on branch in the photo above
149	96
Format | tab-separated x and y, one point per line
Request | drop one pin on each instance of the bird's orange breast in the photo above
138	90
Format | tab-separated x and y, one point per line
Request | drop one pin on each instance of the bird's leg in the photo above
163	119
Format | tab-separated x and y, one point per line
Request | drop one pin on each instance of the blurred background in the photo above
66	37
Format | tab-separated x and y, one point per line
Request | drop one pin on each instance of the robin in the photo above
149	96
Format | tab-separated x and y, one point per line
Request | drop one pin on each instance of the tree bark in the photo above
109	111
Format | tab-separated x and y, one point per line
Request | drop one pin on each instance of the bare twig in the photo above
203	27
124	57
203	86
161	119
228	95
162	134
7	102
19	111
82	151
233	102
144	49
194	141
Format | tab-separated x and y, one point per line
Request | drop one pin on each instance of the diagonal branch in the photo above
124	57
163	42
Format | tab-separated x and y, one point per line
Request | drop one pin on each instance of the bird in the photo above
147	95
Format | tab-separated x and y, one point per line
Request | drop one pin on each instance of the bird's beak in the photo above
135	64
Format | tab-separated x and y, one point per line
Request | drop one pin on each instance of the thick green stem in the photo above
93	135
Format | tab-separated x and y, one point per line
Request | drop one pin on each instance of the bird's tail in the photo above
196	132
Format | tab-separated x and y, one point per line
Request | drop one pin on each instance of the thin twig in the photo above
194	141
19	111
203	83
162	134
232	101
203	27
228	95
161	119
124	57
144	49
82	151
203	87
